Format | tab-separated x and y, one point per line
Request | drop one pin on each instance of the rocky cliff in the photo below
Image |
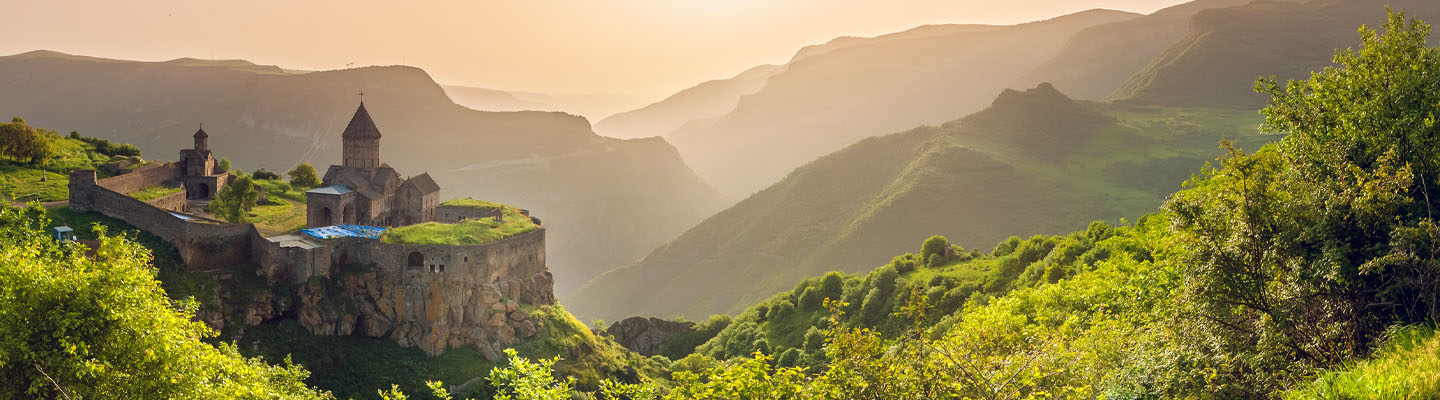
646	335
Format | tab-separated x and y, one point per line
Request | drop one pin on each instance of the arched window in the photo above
415	260
348	216
326	217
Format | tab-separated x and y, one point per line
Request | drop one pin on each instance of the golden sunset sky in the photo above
637	47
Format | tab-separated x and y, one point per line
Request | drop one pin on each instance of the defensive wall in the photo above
433	296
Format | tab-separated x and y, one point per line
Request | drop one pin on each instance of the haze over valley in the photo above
716	200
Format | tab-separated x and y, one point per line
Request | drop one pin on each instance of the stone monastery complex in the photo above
342	275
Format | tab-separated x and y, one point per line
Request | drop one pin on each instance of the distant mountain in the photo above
712	99
706	100
1215	64
605	201
592	106
1033	162
837	94
1099	59
497	100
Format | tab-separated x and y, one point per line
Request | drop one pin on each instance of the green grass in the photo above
1406	366
22	182
285	212
469	202
475	231
153	192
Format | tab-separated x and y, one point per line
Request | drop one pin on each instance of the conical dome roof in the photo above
200	134
361	127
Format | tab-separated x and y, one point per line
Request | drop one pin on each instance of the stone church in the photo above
199	173
365	191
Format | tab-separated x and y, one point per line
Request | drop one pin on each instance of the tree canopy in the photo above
84	323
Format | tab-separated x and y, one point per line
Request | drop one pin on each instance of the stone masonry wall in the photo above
173	202
452	214
455	295
202	244
143	178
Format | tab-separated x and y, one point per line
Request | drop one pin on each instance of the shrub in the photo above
933	246
1006	247
264	174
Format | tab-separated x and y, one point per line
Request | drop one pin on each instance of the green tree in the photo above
1299	256
235	200
78	326
303	176
527	380
935	245
223	164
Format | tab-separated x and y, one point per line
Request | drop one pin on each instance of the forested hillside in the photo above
1033	162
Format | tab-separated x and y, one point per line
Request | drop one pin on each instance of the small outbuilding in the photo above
63	234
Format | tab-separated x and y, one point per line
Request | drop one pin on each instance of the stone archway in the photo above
199	191
348	216
415	260
326	217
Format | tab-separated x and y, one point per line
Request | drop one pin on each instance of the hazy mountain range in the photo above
852	209
1033	162
605	201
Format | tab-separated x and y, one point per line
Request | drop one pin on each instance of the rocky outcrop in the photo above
482	299
645	335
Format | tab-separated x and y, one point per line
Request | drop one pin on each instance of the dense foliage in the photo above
20	141
236	199
79	322
1266	271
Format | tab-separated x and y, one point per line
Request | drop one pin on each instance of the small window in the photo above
467	258
432	267
442	268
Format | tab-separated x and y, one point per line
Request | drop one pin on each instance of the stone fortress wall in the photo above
433	296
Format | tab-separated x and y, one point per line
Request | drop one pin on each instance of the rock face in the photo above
645	335
432	296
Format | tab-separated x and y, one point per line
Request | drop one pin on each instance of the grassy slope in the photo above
285	211
1216	64
1100	59
1406	366
22	182
1033	163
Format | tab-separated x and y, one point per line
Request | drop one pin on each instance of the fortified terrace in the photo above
380	255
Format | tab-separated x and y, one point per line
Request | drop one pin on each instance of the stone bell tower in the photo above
361	147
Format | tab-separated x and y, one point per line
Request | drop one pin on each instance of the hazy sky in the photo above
652	47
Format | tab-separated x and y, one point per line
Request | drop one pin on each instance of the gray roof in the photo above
332	189
361	126
425	183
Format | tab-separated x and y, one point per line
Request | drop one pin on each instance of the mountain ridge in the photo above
548	162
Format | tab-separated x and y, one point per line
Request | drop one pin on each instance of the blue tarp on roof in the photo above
339	231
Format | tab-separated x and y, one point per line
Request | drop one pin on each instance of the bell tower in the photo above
202	140
361	141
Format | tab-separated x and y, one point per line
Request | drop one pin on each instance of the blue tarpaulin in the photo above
339	231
